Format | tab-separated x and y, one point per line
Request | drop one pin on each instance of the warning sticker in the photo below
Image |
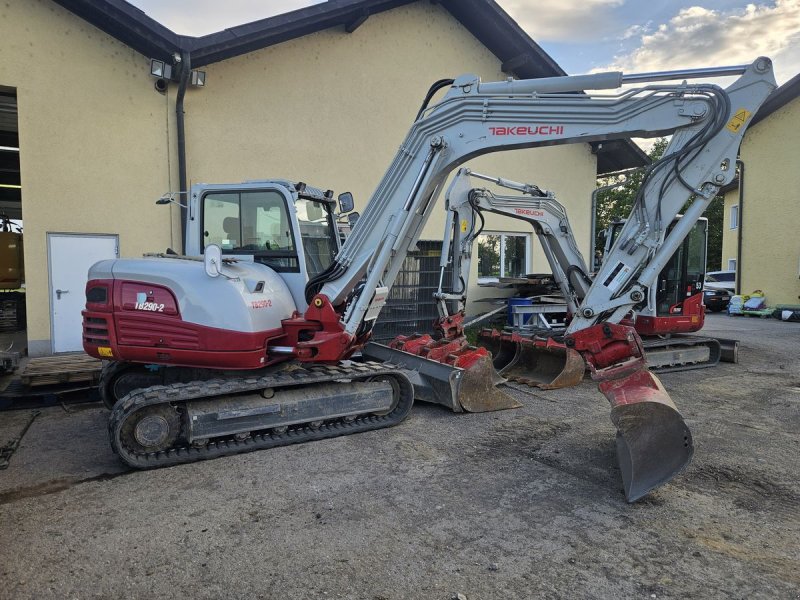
738	120
463	226
617	277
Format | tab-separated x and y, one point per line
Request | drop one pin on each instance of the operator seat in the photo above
230	225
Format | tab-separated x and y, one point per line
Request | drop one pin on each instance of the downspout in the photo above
186	71
740	164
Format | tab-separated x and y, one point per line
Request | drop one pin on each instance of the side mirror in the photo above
352	218
212	260
346	202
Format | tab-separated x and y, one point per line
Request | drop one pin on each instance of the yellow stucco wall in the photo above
97	142
770	219
729	236
93	140
331	109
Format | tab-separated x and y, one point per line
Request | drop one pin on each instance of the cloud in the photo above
564	20
700	37
200	17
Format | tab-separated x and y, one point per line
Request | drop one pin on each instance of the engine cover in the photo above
169	311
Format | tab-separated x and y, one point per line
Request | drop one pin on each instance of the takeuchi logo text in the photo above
528	130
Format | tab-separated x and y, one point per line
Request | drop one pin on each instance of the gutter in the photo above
186	72
740	164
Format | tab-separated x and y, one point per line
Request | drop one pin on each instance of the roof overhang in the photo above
779	98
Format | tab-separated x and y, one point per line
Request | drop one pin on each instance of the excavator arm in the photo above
546	215
475	118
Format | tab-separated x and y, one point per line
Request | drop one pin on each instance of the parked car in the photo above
721	280
718	289
716	300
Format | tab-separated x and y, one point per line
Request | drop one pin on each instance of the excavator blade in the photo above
541	363
654	443
471	388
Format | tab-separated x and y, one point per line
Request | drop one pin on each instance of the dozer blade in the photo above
653	442
542	363
471	389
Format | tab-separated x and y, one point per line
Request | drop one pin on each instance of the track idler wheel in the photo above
152	429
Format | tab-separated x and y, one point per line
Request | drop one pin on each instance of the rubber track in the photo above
296	376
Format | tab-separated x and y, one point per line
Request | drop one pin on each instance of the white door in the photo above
70	256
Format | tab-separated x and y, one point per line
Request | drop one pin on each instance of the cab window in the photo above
251	222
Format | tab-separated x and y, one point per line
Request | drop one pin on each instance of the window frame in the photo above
733	217
732	267
263	254
503	235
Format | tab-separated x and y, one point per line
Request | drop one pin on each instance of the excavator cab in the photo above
683	275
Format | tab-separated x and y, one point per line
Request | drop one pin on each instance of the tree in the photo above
618	202
715	213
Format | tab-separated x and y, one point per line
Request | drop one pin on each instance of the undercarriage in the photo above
186	421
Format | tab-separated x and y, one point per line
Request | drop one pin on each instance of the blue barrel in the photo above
512	302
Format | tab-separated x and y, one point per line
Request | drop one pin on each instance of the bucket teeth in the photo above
464	380
545	364
478	388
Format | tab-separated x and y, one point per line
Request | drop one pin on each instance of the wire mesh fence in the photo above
410	307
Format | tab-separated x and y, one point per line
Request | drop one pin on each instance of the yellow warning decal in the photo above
103	351
463	226
738	120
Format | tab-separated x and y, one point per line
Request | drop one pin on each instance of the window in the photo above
734	216
731	267
254	223
503	255
318	233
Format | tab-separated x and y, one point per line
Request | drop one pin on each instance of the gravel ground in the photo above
524	503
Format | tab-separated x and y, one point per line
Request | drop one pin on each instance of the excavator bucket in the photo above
469	384
542	363
653	442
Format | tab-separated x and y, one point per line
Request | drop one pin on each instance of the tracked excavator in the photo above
252	345
673	308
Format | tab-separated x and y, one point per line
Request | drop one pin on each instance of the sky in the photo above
585	35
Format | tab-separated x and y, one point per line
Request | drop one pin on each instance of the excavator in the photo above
673	308
252	344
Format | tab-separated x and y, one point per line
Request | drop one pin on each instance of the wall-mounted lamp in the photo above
198	78
160	69
164	73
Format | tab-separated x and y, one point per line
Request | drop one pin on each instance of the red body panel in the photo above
117	330
690	319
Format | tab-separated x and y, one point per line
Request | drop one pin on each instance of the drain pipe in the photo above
740	164
186	72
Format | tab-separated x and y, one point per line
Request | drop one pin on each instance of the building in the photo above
323	95
762	212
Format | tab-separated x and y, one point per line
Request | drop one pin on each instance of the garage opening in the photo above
13	335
